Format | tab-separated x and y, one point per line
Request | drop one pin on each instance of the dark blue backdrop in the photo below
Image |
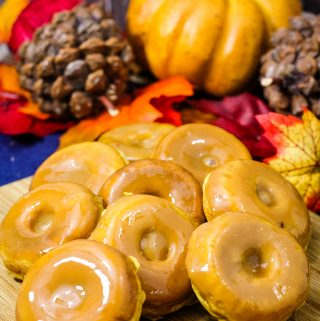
20	156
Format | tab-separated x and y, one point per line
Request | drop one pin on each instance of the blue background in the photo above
20	156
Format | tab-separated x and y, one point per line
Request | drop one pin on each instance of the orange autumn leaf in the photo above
9	81
297	142
140	110
9	11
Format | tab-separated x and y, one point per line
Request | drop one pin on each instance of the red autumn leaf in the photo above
297	158
237	115
36	14
165	106
13	122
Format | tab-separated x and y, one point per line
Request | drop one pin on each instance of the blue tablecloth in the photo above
20	156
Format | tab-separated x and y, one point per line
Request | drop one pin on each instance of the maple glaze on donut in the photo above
160	178
136	141
250	186
45	218
244	268
82	280
156	233
89	164
200	148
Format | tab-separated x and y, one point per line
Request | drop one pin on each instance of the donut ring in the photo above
250	186
200	148
160	178
136	141
44	218
89	164
248	269
81	280
156	233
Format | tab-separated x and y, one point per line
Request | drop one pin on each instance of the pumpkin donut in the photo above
136	141
156	233
82	280
250	186
200	148
244	268
160	178
44	218
89	164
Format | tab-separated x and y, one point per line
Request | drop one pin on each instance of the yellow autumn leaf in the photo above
297	142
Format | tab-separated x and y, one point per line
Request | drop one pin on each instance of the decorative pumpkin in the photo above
216	44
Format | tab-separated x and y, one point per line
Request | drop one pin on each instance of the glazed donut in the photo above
244	268
200	148
89	164
136	141
44	218
82	280
160	178
255	187
156	233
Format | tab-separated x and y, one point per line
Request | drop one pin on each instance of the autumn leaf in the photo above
297	142
140	110
9	85
13	122
9	11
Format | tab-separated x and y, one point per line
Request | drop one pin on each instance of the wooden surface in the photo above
9	288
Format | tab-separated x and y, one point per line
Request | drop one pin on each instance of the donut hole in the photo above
154	246
254	263
265	194
210	161
41	220
69	296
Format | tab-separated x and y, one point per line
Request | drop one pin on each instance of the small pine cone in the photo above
72	61
290	71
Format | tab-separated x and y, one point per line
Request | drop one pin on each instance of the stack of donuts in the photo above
151	218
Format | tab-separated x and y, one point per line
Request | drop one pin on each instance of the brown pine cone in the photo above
75	59
290	72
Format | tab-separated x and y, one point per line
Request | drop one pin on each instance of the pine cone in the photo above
290	72
75	59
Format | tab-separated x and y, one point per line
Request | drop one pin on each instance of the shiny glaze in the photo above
156	233
159	178
82	280
255	187
200	148
246	269
136	141
44	218
89	164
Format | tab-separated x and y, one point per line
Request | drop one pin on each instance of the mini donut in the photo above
244	268
136	141
89	164
82	280
255	187
44	218
156	233
160	178
200	148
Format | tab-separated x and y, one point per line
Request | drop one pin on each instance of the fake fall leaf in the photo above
9	11
140	110
9	85
298	152
13	122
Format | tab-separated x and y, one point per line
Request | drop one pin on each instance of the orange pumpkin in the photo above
216	44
